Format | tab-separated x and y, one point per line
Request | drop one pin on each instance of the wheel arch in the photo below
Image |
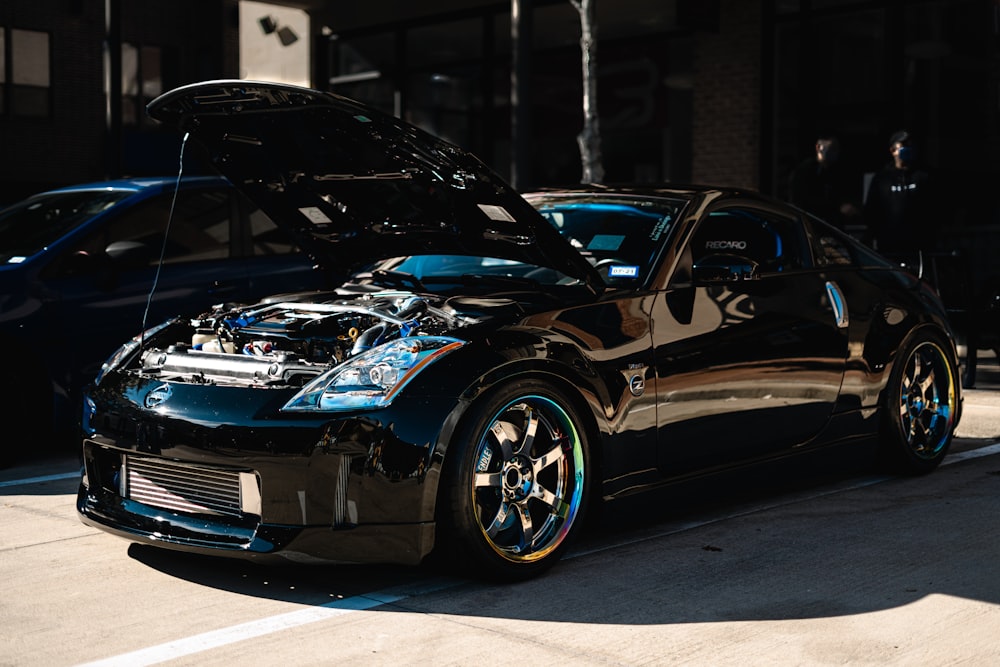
569	384
897	450
924	329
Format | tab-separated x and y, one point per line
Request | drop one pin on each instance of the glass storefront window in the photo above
444	43
830	75
361	68
441	103
152	75
141	81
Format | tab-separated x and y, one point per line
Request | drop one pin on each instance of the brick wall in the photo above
726	125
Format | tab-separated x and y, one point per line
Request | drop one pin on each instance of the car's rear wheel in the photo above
921	406
517	483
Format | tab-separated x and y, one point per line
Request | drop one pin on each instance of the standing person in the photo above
823	186
900	207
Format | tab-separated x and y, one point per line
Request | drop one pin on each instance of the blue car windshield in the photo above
34	224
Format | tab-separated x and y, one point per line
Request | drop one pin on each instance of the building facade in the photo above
57	126
710	91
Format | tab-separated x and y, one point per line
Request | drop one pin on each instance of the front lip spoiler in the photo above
143	523
400	544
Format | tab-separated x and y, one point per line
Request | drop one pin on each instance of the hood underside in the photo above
354	185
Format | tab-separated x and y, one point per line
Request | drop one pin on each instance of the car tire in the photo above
920	407
517	483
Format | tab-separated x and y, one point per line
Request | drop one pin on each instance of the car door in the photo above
750	342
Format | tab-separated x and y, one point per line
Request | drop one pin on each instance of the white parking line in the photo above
971	454
38	480
238	633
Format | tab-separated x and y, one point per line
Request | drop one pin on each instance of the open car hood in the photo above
355	185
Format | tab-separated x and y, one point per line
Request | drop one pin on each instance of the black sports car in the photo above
491	363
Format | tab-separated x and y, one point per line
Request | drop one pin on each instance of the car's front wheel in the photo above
921	406
517	482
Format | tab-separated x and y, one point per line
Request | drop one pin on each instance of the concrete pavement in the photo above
981	409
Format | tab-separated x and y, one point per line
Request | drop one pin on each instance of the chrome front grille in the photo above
186	488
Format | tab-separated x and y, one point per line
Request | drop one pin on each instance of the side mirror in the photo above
129	254
724	269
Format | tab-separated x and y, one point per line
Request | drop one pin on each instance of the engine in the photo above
288	343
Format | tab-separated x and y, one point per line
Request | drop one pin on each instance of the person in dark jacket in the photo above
822	185
901	204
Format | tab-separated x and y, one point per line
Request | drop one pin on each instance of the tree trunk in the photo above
589	138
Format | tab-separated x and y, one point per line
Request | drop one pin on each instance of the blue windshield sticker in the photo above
609	242
623	272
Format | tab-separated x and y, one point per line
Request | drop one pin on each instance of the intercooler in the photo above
190	489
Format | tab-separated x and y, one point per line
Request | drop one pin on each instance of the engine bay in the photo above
287	343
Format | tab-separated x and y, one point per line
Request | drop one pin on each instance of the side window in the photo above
774	242
831	247
199	230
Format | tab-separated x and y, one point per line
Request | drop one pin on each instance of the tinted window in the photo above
199	229
831	247
774	242
32	225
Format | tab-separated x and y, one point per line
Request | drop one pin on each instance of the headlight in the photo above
126	350
372	379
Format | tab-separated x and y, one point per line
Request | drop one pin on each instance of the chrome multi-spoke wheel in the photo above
923	401
519	488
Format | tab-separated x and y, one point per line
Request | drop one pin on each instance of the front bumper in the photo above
214	507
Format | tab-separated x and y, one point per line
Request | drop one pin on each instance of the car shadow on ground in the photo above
793	542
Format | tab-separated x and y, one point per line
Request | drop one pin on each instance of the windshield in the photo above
621	236
30	226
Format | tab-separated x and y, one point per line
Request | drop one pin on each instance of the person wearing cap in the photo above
900	205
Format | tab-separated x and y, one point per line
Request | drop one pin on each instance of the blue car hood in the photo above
355	185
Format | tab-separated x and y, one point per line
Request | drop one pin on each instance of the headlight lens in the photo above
372	379
126	350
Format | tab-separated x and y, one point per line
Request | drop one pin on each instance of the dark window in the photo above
775	243
30	226
830	247
142	80
28	88
199	230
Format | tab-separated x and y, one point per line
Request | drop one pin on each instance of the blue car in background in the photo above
78	265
